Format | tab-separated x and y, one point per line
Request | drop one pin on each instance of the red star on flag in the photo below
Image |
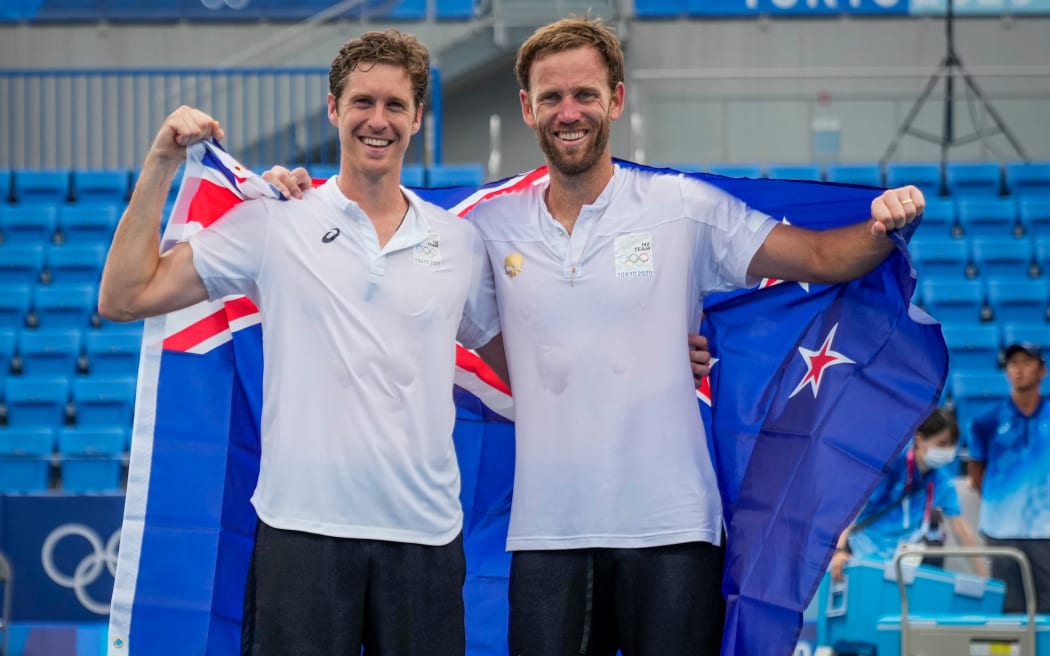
817	362
703	391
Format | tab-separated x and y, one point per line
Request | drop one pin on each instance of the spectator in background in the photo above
1010	468
905	506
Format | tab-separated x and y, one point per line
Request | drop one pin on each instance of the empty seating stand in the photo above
91	459
1026	179
25	459
970	179
40	187
455	175
100	186
988	217
864	173
924	175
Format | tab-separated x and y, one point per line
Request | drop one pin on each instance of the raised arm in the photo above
841	254
137	281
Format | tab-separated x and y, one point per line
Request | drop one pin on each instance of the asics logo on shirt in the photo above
330	236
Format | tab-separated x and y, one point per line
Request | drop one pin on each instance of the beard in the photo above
579	159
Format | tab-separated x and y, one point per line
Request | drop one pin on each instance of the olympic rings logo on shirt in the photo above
89	569
635	258
426	251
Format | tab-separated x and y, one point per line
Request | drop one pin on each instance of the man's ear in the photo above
333	110
526	109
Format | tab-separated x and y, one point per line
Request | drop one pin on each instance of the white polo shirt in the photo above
611	450
359	355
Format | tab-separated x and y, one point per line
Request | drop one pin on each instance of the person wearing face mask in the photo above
904	506
1010	468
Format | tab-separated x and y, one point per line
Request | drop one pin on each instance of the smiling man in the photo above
363	290
616	522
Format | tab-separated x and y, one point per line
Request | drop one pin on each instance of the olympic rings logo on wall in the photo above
90	567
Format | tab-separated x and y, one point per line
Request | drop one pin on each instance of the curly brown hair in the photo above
390	47
567	34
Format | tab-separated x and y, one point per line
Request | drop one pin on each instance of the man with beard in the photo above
616	522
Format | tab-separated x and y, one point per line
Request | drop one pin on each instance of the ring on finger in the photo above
906	201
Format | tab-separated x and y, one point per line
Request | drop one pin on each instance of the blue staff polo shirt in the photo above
1016	452
902	522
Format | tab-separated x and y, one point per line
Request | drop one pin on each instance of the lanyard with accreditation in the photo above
927	510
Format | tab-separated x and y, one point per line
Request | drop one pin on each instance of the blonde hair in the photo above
568	34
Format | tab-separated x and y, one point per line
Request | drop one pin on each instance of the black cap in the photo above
1024	347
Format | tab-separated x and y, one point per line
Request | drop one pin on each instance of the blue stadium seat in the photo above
91	458
1011	299
88	223
28	223
36	401
413	175
1002	256
795	172
15	303
975	392
113	352
49	352
25	459
969	179
956	301
924	175
867	173
988	217
1041	249
75	264
61	306
104	401
1033	212
5	185
941	257
100	186
939	219
51	187
737	170
1031	332
1025	179
8	340
455	175
972	346
21	263
416	10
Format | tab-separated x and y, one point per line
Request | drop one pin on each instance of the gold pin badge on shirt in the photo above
513	263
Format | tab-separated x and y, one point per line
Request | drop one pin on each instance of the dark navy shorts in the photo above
313	594
657	601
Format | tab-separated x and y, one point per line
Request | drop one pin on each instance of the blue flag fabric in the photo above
815	389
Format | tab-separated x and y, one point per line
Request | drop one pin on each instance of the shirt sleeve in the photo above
229	254
981	431
480	321
731	233
944	495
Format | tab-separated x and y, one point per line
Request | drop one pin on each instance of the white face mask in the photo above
939	456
